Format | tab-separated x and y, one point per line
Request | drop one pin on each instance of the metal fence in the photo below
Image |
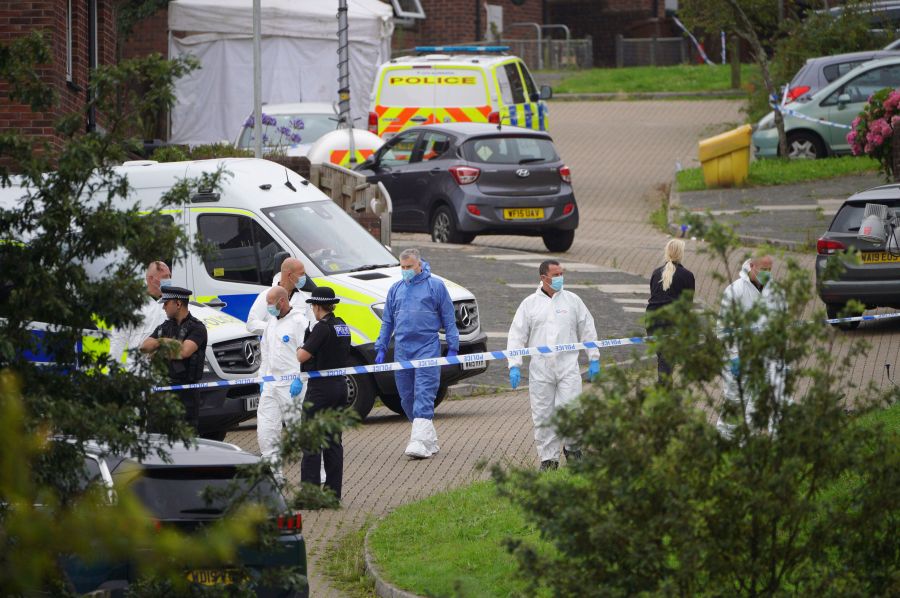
651	51
544	54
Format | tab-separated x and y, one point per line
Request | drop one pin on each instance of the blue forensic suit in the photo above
414	312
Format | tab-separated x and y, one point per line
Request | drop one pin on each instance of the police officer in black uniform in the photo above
326	347
184	338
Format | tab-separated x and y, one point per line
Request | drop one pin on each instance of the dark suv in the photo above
876	281
172	493
459	180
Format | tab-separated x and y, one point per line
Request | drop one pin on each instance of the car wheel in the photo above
392	402
360	391
833	310
558	241
805	146
443	228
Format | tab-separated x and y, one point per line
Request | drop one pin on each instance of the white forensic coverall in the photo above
258	316
281	339
129	338
554	380
743	294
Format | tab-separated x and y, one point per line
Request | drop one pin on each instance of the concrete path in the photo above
622	155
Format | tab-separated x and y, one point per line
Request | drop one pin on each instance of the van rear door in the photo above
410	95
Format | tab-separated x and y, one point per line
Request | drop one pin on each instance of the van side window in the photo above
515	83
243	250
531	92
503	82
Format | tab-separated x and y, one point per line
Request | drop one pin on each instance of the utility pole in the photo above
257	79
344	78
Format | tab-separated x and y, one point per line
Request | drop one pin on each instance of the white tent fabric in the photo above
299	59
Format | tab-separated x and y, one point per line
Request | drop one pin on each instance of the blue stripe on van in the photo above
541	116
529	122
513	116
238	305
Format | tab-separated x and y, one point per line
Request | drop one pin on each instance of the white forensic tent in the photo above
299	59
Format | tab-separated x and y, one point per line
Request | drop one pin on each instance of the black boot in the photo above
549	464
572	455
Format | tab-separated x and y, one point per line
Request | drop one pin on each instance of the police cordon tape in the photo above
468	358
801	116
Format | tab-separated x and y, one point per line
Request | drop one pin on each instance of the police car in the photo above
456	84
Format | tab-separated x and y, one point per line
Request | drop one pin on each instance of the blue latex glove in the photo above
379	357
593	369
515	376
261	387
452	353
296	387
735	366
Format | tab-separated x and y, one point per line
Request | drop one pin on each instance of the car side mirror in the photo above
843	99
546	92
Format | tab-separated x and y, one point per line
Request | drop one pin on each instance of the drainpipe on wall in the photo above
477	37
92	62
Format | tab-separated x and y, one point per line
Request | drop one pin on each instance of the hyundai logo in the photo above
465	318
522	173
249	353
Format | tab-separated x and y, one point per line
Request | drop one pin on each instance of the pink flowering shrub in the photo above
871	132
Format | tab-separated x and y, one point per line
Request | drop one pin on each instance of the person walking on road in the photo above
416	309
551	316
667	283
182	338
326	347
283	335
130	338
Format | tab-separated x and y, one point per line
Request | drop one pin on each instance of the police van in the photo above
263	213
456	84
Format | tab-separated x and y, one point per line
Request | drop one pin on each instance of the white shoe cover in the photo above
422	439
417	450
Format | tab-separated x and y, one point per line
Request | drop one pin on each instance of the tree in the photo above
801	499
51	246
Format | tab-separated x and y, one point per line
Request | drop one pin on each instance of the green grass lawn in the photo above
451	544
784	172
681	78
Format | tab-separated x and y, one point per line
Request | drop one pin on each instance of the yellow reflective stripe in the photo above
205	298
355	308
166	211
222	211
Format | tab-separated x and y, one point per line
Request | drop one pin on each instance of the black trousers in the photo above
663	368
325	394
191	400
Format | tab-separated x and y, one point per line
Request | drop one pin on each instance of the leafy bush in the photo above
661	503
180	153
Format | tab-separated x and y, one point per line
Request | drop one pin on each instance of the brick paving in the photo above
622	155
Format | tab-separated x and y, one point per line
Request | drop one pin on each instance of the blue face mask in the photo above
300	282
763	277
165	282
273	310
408	274
556	283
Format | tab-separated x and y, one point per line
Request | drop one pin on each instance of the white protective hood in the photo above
299	59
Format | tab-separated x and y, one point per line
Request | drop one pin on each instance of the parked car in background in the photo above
875	282
291	128
459	180
810	135
173	494
819	72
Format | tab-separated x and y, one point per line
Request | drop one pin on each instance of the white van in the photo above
263	213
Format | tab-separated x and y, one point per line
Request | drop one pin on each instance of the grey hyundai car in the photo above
875	280
459	180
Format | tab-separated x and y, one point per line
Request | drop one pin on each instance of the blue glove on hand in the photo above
593	369
452	353
735	366
515	376
379	357
296	387
261	387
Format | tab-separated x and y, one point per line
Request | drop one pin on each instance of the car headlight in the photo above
767	122
207	369
378	308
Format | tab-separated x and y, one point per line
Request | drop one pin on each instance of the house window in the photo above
408	9
69	41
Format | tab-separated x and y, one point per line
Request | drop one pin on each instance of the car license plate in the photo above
878	257
251	403
475	364
212	577
523	213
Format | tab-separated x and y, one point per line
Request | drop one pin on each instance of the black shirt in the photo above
329	345
682	280
190	370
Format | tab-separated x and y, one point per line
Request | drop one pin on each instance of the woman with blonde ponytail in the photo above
667	283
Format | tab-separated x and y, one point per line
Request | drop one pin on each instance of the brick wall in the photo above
149	36
454	22
17	19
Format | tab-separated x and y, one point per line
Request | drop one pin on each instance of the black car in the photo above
173	494
459	180
875	282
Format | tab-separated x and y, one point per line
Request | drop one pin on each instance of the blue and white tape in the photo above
419	363
801	116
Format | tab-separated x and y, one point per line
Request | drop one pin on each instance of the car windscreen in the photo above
429	87
287	130
509	150
330	237
199	492
850	216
